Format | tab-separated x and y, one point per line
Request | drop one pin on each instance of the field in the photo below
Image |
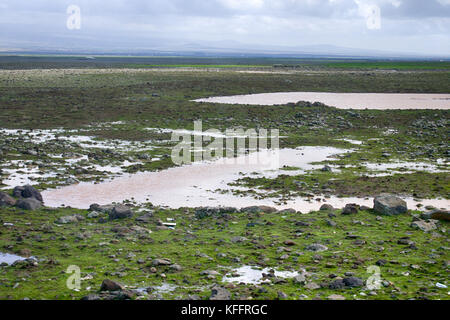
66	120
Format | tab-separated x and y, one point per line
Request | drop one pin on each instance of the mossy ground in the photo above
410	273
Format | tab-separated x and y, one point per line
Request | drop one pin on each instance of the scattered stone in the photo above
6	200
146	218
351	208
289	243
425	226
443	215
353	282
219	293
331	223
312	286
161	262
326	207
69	219
109	285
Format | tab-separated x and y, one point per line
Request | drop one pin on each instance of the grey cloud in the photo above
421	26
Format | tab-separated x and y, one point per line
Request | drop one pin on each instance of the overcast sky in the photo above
410	26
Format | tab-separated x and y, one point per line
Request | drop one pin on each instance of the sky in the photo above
401	26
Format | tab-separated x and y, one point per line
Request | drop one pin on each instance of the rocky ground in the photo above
146	252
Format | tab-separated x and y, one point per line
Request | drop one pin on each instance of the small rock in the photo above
326	207
351	208
219	293
109	285
425	226
6	200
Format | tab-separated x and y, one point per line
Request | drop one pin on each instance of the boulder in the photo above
6	200
353	282
326	207
120	212
27	192
389	205
28	204
109	285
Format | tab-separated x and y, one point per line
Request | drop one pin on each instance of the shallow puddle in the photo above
196	185
253	275
9	258
189	185
381	101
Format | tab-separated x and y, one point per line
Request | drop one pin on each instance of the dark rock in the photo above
351	208
146	218
331	223
326	207
437	214
389	205
353	282
337	284
28	204
109	285
381	262
120	212
27	192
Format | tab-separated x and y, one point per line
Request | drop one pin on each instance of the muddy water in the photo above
194	185
190	185
381	101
